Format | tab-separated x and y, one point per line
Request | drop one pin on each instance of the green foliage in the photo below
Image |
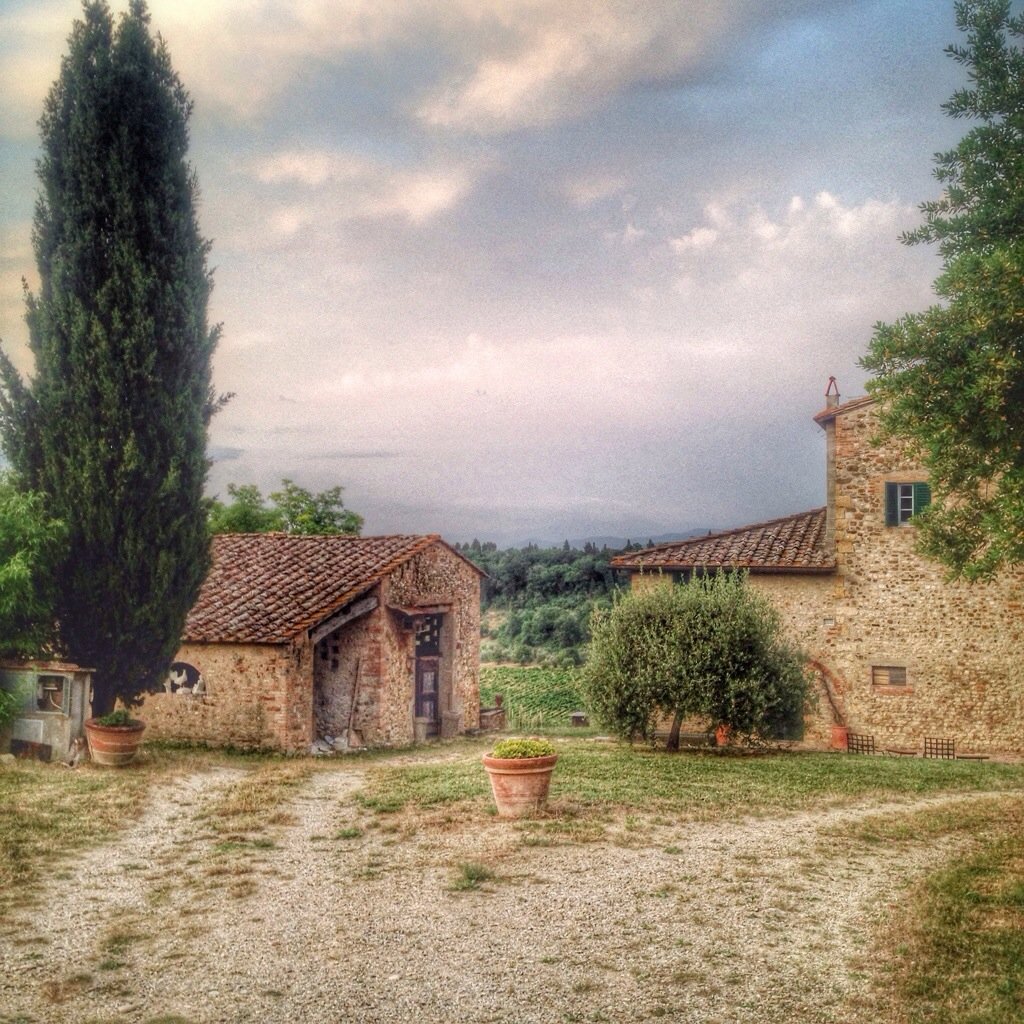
31	546
951	379
113	425
538	696
247	512
542	600
471	875
711	647
9	706
295	510
115	718
520	748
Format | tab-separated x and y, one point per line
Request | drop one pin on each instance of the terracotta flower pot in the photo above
840	734
113	745
723	735
520	784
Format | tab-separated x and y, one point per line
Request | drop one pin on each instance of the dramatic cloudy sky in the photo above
522	269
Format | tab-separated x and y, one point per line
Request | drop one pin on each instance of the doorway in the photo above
428	673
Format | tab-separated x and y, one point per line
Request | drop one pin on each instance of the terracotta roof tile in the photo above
791	544
269	587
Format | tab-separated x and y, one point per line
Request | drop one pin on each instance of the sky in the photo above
534	269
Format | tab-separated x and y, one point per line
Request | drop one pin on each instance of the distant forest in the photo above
536	602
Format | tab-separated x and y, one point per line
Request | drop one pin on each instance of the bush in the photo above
711	647
520	748
31	543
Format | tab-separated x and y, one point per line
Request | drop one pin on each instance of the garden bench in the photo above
901	751
860	743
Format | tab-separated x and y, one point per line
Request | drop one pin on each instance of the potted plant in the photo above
520	773
114	739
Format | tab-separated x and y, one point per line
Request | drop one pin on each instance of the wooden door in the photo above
428	672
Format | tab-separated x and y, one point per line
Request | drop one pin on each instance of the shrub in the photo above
518	748
710	647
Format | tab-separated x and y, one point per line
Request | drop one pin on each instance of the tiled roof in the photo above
269	587
792	544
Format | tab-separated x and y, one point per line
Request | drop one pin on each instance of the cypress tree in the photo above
112	426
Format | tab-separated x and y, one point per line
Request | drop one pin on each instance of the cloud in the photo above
558	59
339	186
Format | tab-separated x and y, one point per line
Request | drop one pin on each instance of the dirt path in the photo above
346	919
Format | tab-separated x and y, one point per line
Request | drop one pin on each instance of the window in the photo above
904	501
888	675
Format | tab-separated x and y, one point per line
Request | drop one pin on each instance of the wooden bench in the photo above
935	746
860	743
902	751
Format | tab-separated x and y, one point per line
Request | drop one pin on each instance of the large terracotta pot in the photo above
113	745
840	735
520	784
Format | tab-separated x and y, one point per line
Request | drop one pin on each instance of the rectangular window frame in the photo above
887	676
905	499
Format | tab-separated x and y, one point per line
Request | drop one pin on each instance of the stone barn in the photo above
327	641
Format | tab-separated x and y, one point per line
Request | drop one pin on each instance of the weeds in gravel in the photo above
471	876
256	801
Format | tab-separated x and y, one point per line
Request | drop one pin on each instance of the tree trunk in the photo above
673	735
103	698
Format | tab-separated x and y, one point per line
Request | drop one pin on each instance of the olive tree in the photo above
711	647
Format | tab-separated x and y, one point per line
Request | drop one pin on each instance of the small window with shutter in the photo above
904	501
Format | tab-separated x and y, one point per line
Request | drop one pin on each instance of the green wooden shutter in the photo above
892	505
922	497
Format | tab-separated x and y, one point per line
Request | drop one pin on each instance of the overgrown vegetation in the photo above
537	602
31	545
711	648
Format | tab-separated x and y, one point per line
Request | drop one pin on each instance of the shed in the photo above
326	641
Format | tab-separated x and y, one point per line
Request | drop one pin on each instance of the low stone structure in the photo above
332	642
900	652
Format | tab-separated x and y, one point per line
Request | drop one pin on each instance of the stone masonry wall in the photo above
961	644
437	574
249	690
378	650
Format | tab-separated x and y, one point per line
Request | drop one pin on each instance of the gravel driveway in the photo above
345	919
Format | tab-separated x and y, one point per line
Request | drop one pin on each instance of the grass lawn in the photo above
598	777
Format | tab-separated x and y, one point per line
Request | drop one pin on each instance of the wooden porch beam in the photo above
336	621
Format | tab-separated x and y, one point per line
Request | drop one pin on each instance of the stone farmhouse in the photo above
332	641
900	653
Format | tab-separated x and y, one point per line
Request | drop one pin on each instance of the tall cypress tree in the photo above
113	425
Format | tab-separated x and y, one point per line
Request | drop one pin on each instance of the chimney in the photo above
831	402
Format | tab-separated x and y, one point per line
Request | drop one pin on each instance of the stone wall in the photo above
962	644
373	658
438	574
246	704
